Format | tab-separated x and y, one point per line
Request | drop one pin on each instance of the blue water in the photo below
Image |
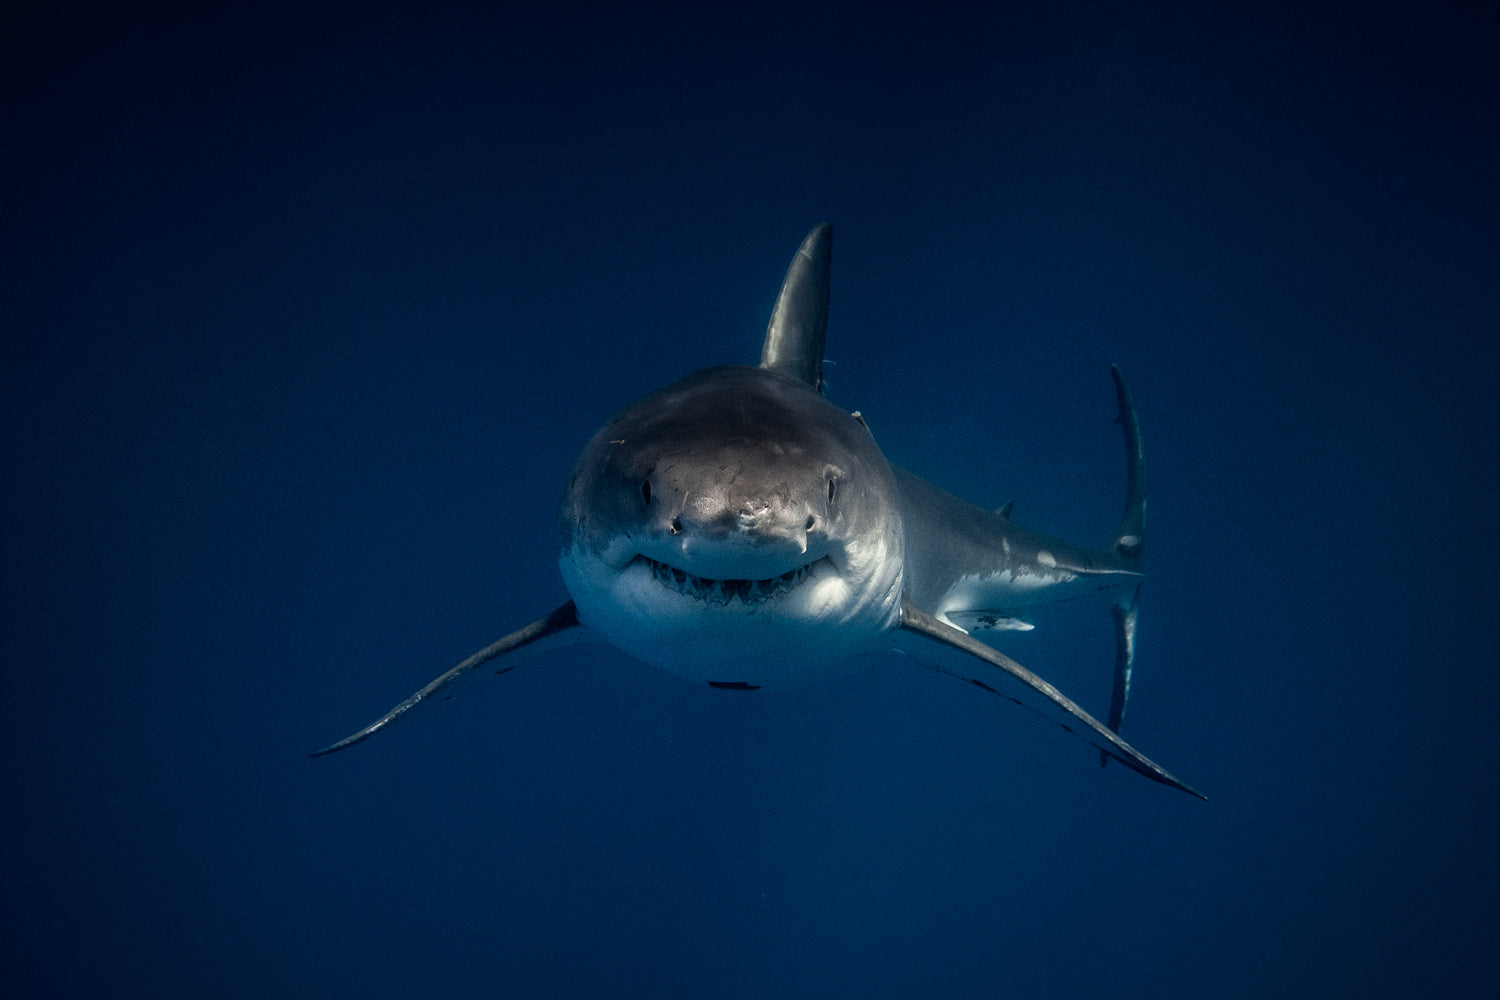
305	320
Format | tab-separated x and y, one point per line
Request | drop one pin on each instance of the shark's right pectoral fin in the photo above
949	650
560	628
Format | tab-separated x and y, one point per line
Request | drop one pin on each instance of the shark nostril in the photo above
812	522
676	526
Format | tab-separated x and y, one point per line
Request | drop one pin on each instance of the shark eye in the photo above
646	490
832	483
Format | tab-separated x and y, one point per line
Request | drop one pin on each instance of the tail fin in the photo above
1130	545
1130	540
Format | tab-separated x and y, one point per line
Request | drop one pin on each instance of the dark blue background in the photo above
306	317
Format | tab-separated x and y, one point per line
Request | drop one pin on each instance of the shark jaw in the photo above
806	624
721	593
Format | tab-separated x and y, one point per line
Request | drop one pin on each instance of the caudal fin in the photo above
1130	540
1130	545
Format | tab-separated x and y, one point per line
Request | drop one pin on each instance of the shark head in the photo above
735	527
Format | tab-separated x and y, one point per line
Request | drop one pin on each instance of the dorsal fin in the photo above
799	321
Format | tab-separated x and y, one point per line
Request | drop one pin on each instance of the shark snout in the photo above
768	525
749	539
748	521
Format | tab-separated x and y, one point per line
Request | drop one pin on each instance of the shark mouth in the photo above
723	591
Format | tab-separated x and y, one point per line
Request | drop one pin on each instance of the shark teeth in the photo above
723	591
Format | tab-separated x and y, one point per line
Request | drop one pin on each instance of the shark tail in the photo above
1130	545
1130	540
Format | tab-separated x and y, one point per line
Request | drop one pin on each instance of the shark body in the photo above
737	528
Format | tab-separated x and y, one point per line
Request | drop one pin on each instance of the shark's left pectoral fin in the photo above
560	628
944	648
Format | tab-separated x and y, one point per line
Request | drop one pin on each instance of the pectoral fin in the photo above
948	650
560	628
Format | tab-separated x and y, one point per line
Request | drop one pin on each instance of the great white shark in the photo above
737	528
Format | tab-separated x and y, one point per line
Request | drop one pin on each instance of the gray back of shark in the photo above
737	528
